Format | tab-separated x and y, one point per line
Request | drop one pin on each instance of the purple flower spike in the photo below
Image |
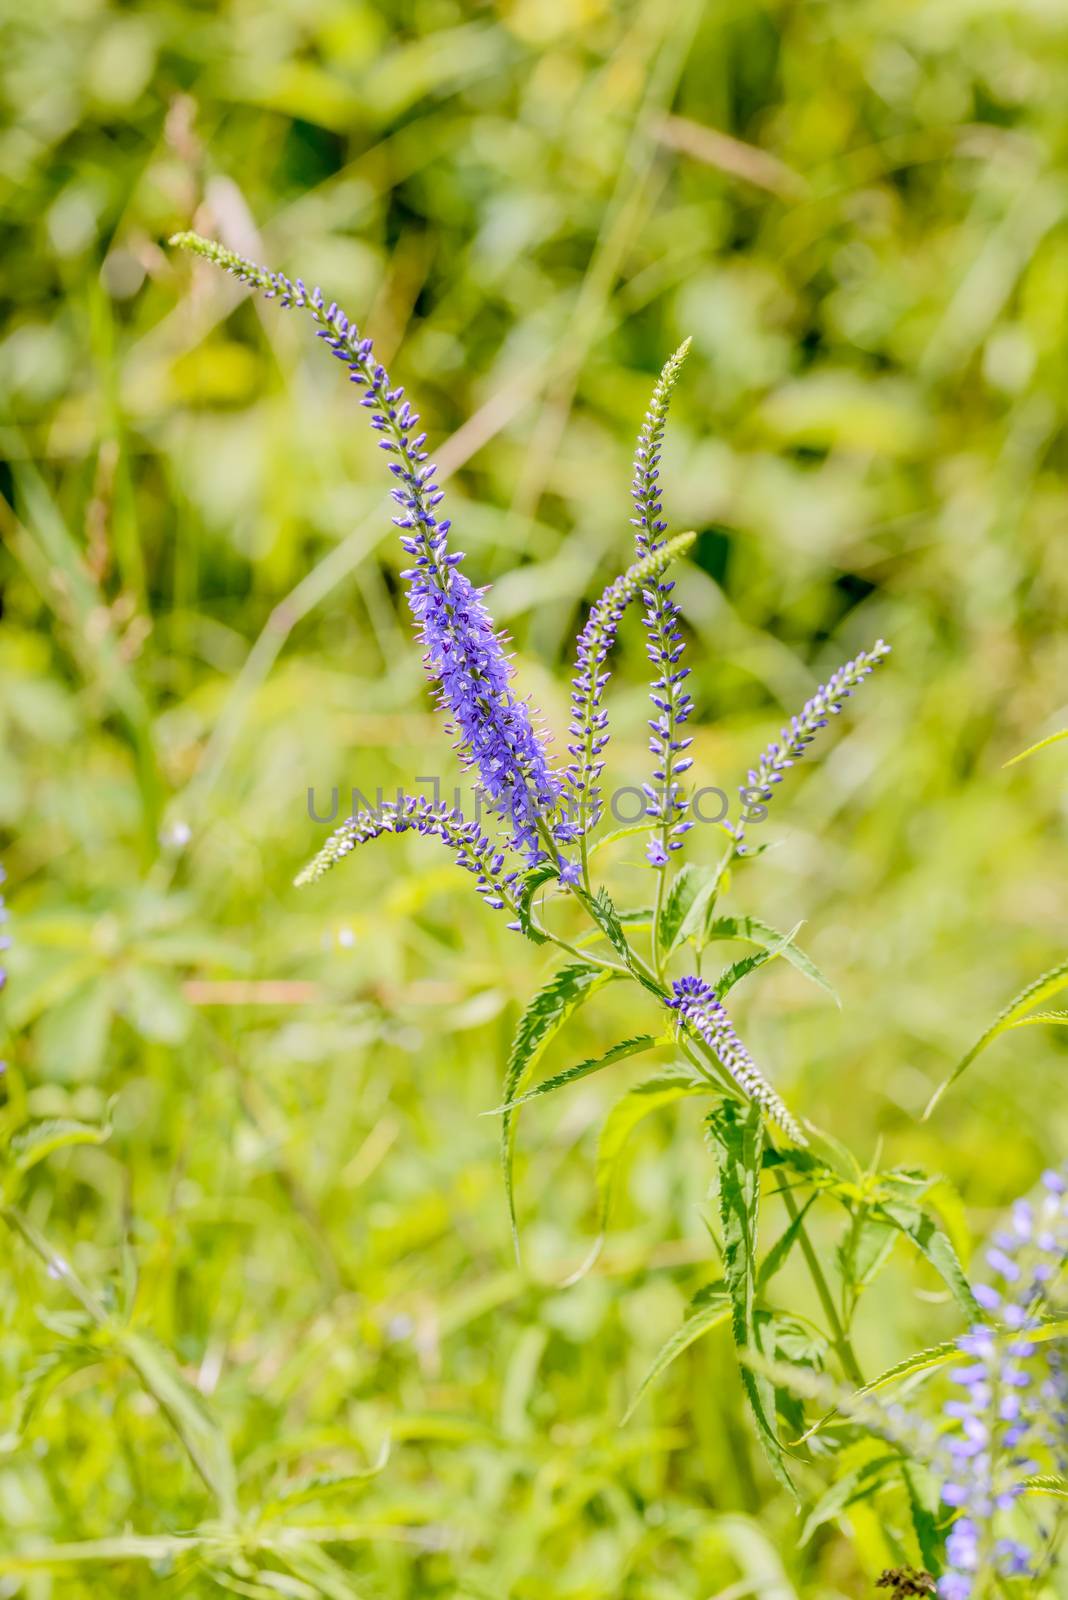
464	655
793	740
666	804
697	1004
589	719
1015	1401
473	850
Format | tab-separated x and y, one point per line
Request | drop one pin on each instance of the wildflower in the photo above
698	1005
666	804
793	740
464	655
1011	1398
589	719
473	850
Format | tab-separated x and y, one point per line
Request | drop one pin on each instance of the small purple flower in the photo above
697	1004
570	873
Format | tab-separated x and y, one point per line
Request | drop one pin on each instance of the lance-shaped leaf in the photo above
560	1080
931	1242
753	931
544	1016
710	1309
1050	983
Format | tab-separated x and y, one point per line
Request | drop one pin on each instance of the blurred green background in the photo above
859	210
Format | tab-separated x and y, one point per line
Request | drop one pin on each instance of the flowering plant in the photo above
542	849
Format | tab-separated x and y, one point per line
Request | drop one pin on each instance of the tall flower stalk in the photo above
549	813
666	804
589	716
464	655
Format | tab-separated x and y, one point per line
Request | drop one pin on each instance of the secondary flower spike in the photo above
697	1004
589	719
464	654
673	705
794	739
473	850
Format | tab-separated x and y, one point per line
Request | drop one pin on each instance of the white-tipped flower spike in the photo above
697	1004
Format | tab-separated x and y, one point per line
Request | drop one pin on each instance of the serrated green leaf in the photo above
1053	1018
855	1484
695	921
867	1247
544	1016
932	1243
1050	1483
738	970
1051	982
925	1509
779	1251
604	913
618	1052
529	884
753	931
711	1313
738	1136
677	902
638	1103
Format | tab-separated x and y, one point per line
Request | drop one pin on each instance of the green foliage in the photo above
296	1206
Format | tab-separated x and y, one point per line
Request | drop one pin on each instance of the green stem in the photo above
839	1338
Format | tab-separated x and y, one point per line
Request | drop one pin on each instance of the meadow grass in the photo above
279	1303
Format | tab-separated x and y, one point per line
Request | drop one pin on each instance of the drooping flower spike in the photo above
794	740
666	804
473	850
697	1004
589	719
464	655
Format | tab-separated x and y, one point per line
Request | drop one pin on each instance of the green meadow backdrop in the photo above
859	211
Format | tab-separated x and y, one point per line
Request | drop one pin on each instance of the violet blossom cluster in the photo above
696	1004
1009	1418
464	655
794	739
666	803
